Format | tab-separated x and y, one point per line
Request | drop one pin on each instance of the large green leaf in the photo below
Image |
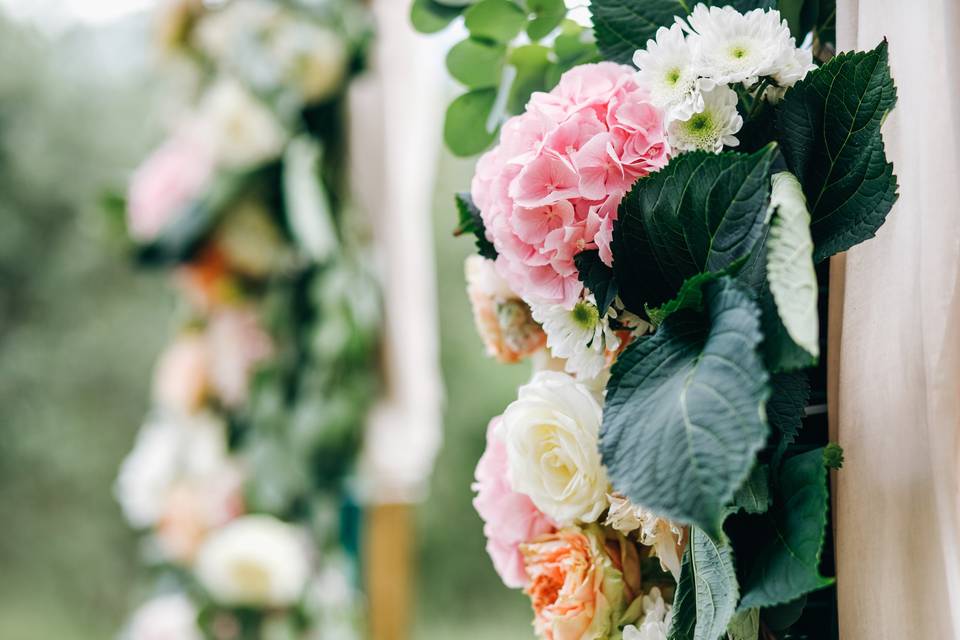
787	565
497	20
707	592
597	277
829	126
702	212
475	63
789	394
780	352
684	415
753	496
745	625
790	270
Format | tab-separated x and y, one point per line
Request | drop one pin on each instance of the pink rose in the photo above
552	186
180	381
165	184
510	519
237	344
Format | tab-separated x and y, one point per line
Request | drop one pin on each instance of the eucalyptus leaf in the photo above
532	64
702	212
707	591
790	270
465	129
497	20
684	415
829	127
475	63
548	14
429	16
787	565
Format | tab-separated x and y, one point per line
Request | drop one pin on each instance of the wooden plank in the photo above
388	570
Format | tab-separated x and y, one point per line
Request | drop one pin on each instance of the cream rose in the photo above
255	560
551	432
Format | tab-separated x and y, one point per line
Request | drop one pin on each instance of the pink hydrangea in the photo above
510	518
552	186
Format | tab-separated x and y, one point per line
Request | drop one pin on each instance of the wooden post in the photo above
388	570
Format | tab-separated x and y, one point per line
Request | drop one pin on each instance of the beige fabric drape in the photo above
895	347
395	140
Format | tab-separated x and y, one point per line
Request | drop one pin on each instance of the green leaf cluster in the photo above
513	48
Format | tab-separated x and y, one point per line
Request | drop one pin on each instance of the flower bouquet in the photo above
649	223
240	479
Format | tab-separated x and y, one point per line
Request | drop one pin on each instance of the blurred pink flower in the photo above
237	344
510	519
552	186
167	181
180	380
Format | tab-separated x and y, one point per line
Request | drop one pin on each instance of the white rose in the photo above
255	560
244	130
168	617
552	432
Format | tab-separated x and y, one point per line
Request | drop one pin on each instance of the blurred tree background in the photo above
80	328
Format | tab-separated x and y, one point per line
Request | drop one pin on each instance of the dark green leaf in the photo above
829	126
789	394
753	496
744	625
548	14
467	129
476	64
780	352
455	3
784	616
690	297
623	26
470	221
597	277
702	212
787	566
497	20
684	413
707	591
428	16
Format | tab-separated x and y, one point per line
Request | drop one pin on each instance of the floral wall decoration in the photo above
242	476
658	193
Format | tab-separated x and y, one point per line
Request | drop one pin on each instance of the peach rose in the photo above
582	582
180	381
503	320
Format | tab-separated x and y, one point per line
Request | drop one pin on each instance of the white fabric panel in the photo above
394	146
898	402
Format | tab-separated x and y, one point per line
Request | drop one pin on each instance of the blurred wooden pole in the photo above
388	566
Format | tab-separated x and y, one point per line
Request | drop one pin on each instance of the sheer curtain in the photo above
895	346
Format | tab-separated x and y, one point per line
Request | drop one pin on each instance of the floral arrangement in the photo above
241	478
649	223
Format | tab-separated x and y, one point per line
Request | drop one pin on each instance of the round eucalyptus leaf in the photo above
548	14
476	64
465	129
428	16
497	20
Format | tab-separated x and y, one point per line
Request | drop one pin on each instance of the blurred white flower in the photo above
666	69
250	240
313	57
552	433
578	335
244	131
655	621
167	617
712	128
665	536
168	449
256	560
736	47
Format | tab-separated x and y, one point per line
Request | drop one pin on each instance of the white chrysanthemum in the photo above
712	128
552	435
656	619
167	617
257	561
666	69
738	47
795	66
579	335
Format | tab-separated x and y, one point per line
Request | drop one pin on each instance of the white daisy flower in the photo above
655	623
738	47
666	69
794	67
711	128
579	335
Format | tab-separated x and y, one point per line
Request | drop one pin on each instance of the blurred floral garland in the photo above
240	478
